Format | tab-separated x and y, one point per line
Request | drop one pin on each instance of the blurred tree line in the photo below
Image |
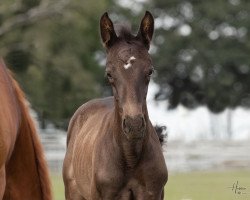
54	49
200	51
203	53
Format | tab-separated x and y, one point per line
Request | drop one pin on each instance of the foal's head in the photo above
128	69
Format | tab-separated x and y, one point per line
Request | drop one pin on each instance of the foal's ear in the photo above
146	29
107	31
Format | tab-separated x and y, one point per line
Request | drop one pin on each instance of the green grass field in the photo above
58	187
192	186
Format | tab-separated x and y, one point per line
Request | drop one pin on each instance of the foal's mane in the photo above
123	31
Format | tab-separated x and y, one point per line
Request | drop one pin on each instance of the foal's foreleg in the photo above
162	194
71	192
2	181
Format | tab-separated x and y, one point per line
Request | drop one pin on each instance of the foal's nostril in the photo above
143	122
133	124
125	125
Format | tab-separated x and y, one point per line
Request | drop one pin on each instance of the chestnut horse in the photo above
23	170
113	151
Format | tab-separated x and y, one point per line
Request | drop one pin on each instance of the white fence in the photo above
180	156
54	143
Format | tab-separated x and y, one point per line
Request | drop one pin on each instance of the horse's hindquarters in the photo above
21	155
2	166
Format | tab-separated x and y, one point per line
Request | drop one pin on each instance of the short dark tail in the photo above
162	133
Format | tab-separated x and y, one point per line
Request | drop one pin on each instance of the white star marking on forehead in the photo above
129	64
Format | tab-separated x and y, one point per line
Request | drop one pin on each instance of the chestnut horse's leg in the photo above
2	181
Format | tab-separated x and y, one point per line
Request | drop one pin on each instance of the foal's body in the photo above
113	152
122	172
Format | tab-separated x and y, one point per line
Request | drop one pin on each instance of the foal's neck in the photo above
131	150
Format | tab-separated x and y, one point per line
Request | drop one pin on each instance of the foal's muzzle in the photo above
134	127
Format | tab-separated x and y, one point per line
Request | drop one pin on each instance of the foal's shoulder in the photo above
95	106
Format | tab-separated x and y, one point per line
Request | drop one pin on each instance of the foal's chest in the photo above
150	190
139	186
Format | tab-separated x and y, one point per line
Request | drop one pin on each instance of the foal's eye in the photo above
109	75
150	72
110	78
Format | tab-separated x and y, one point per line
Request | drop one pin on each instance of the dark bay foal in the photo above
113	151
